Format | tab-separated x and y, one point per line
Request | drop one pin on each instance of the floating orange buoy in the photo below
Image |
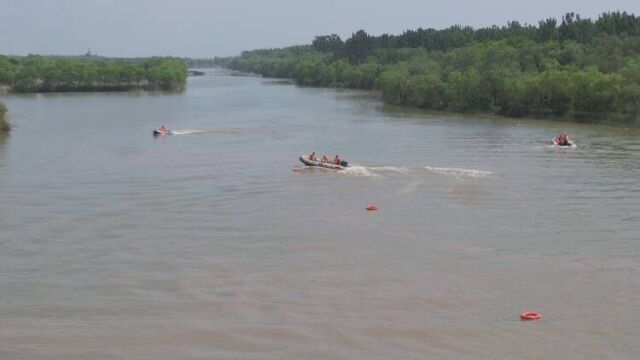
295	170
530	315
372	208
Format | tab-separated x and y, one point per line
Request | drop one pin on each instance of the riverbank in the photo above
39	87
580	69
4	124
35	73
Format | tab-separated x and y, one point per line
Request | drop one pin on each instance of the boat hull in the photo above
305	160
567	145
161	133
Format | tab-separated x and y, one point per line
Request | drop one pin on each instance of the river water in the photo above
208	245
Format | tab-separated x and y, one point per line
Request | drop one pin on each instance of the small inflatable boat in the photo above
567	144
329	165
159	132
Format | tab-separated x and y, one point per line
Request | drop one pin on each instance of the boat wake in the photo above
188	131
379	171
223	131
571	146
358	171
458	172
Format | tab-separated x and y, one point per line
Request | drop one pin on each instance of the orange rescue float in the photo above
372	208
530	315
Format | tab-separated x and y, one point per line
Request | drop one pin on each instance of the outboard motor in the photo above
343	163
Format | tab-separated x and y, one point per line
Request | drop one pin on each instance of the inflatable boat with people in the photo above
162	131
563	140
311	160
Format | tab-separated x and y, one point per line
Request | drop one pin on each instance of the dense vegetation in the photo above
35	73
4	125
576	69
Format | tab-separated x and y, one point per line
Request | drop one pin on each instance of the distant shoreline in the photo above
614	121
40	74
86	88
4	124
575	69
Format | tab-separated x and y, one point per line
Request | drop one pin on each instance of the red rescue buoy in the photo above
530	315
372	208
296	170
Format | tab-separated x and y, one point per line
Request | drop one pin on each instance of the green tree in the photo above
358	47
394	85
328	44
4	125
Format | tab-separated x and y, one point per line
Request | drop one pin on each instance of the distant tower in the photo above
88	54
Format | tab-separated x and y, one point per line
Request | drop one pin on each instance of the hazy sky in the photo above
199	28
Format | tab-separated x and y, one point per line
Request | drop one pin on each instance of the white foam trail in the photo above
371	171
437	170
359	171
188	131
223	131
458	172
398	169
247	130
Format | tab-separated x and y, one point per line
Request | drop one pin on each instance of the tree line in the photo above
575	69
4	125
36	73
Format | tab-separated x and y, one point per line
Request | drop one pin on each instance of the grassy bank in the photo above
4	125
574	69
36	73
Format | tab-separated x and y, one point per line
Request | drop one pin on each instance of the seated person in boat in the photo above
337	160
325	158
162	129
312	156
563	139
